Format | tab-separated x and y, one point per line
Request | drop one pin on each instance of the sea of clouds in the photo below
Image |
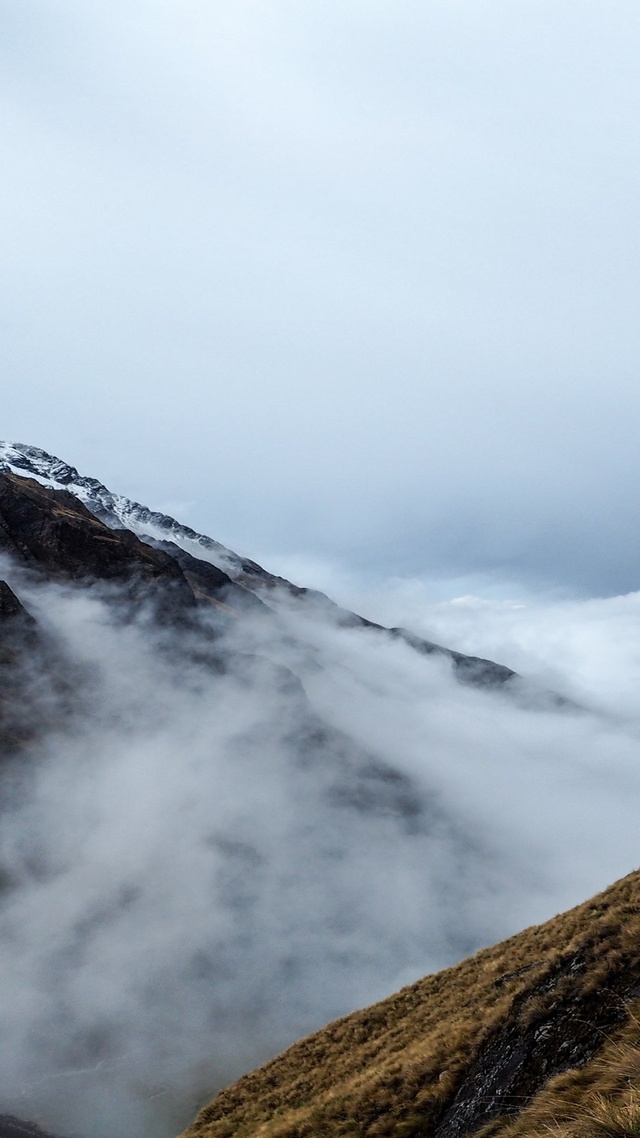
243	831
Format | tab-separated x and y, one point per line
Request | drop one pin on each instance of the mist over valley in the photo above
233	811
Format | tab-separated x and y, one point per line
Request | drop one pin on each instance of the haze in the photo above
200	866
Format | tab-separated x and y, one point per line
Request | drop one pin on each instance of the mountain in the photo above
195	551
537	1036
233	811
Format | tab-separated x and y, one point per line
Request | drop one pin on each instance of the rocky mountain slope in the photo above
194	551
76	535
538	1036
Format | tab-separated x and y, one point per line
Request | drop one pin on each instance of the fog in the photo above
246	829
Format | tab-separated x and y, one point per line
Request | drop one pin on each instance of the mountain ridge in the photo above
117	511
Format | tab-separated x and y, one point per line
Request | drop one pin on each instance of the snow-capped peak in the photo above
115	510
119	512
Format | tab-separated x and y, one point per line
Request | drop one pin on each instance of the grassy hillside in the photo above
539	1035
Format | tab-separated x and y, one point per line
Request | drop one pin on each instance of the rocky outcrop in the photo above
554	1026
21	650
11	610
51	531
210	582
55	534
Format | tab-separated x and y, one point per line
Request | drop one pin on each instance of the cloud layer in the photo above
233	841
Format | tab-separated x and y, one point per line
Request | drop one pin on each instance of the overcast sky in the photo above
355	281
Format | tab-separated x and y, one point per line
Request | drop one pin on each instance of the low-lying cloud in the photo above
241	833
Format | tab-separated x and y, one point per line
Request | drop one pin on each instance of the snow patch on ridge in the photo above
115	510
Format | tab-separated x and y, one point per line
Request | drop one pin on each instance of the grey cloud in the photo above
204	864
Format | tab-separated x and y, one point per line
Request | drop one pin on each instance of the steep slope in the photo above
53	532
117	511
536	1036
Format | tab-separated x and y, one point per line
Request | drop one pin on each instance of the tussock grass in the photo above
393	1070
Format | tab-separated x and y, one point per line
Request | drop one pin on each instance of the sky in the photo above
349	283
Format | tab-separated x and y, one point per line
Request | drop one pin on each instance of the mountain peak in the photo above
165	532
115	510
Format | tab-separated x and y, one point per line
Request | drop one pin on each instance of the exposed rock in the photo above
20	651
208	581
525	1051
11	607
51	531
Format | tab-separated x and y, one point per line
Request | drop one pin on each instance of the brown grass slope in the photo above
539	1035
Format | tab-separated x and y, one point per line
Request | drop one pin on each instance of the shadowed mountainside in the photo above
538	1035
54	533
239	581
53	536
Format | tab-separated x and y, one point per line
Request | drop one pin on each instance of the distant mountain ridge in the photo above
115	510
153	527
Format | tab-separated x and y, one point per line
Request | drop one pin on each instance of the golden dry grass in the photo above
392	1070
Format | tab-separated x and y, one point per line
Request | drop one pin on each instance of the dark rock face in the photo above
209	582
469	669
54	537
17	626
51	531
10	607
531	1046
20	649
247	584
